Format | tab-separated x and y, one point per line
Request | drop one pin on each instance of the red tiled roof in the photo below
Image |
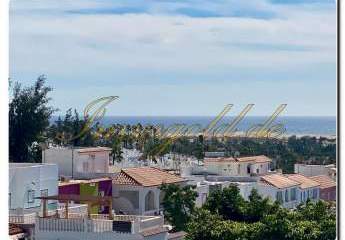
255	159
219	160
324	181
145	176
279	181
303	180
93	149
14	229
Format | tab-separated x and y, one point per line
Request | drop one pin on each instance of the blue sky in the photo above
171	57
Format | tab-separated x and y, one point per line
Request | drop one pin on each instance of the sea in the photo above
299	126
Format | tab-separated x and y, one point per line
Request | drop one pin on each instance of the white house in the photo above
137	190
279	188
243	166
310	170
28	181
309	189
78	162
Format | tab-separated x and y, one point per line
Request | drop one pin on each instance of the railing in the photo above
23	218
79	211
152	222
98	223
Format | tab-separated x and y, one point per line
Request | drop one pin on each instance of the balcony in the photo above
99	223
28	217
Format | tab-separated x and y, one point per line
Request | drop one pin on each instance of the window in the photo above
293	194
314	193
257	170
286	196
248	169
101	193
44	192
279	197
31	196
9	200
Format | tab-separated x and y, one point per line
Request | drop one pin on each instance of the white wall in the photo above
236	168
36	177
203	193
60	156
306	193
311	170
271	192
65	158
40	235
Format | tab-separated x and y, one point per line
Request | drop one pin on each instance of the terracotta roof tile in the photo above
14	229
324	181
279	181
303	180
255	159
93	149
219	160
145	176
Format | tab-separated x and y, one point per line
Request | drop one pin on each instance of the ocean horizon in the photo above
294	125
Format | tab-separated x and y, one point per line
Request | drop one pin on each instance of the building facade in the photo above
28	181
137	190
78	162
244	166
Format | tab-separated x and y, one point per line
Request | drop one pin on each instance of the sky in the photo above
179	58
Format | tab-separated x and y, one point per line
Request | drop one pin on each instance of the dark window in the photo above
248	168
293	194
286	196
279	197
314	193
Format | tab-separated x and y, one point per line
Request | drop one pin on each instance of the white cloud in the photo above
141	48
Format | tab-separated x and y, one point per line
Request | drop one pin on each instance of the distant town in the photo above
124	182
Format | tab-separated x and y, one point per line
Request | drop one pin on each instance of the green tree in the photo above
226	216
258	207
29	114
228	203
179	204
116	150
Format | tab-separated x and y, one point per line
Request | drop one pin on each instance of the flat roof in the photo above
25	165
75	197
93	149
77	181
